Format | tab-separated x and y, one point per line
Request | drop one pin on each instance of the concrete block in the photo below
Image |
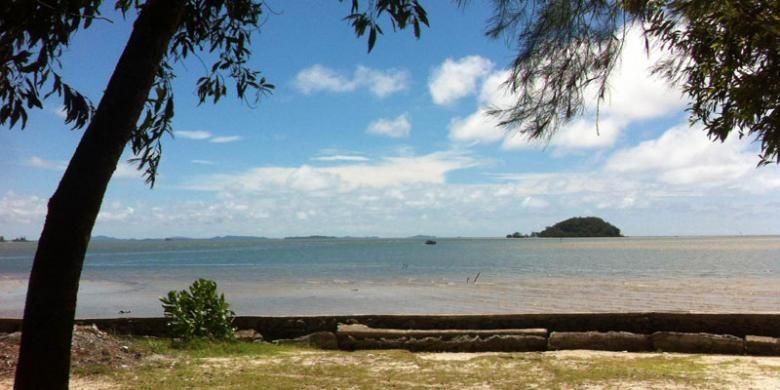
698	343
601	341
762	345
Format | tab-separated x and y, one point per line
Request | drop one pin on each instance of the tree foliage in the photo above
724	54
580	227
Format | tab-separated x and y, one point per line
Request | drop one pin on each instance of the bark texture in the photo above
44	360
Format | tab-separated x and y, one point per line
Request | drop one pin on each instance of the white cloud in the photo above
481	127
41	163
225	139
395	128
202	135
21	209
643	190
685	155
195	134
634	92
203	162
581	133
341	157
115	212
126	170
381	83
455	79
634	95
318	78
534	203
273	201
388	172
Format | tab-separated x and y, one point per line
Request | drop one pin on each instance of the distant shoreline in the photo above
421	237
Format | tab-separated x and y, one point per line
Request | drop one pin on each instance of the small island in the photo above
575	227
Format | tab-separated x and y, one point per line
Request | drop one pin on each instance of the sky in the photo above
393	143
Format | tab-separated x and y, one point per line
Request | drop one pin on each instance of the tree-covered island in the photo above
576	227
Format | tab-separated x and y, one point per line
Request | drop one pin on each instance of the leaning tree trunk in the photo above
44	357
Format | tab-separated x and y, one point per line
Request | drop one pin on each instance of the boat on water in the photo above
430	242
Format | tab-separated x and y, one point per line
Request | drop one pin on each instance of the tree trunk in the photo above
44	357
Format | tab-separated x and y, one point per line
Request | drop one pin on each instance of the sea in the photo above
277	277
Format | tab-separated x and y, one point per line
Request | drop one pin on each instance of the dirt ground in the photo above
91	348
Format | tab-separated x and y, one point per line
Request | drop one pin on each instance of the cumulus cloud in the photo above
480	127
387	172
381	83
685	155
21	209
644	189
115	212
455	79
635	94
534	203
273	201
394	128
126	170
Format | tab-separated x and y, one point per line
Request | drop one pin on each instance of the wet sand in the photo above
105	299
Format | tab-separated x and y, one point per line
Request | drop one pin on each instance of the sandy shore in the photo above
112	298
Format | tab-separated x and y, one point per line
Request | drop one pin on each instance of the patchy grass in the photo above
207	348
234	365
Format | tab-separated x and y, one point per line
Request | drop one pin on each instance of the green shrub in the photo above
198	313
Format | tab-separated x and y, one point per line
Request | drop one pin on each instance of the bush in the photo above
198	313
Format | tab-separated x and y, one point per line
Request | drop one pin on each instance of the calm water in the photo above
286	277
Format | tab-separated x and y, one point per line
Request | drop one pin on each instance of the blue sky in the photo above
393	143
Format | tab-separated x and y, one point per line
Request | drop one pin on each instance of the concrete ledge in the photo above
762	345
463	343
601	341
740	325
273	328
363	331
357	336
698	343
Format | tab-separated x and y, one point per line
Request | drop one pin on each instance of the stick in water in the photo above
476	277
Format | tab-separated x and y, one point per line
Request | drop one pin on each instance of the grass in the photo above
235	365
208	348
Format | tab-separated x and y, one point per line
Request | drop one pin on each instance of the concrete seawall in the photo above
273	328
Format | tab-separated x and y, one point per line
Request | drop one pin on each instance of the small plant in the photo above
198	313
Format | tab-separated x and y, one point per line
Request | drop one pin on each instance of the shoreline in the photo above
100	298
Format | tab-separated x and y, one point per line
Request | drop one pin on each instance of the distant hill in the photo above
315	237
238	238
580	227
103	238
422	237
